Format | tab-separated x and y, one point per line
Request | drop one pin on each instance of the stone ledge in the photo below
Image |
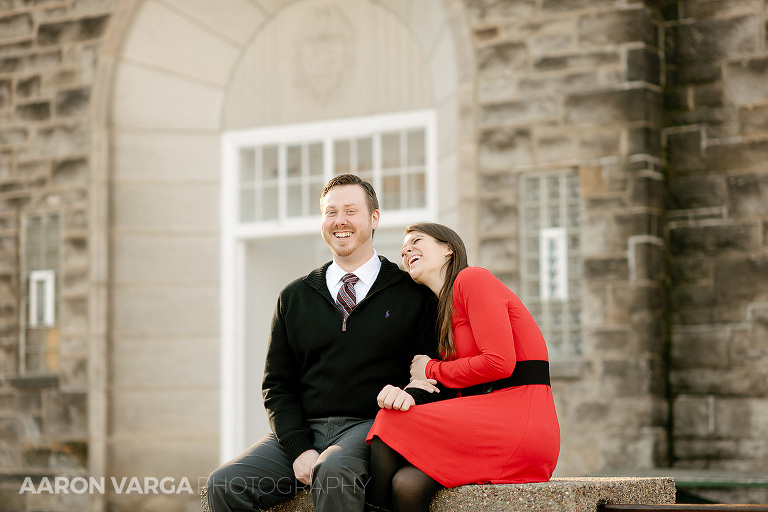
571	494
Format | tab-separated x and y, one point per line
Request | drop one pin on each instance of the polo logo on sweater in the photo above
386	315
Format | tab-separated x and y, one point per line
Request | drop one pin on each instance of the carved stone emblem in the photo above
324	53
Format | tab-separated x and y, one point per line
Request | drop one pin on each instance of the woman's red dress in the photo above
509	436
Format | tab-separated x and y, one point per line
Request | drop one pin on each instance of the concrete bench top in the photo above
568	494
688	477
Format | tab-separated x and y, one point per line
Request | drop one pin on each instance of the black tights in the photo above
397	485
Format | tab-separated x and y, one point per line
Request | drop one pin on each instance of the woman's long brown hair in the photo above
454	265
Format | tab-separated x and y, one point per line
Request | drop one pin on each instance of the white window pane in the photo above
269	203
416	149
341	157
247	165
293	161
247	205
390	150
390	196
316	159
269	163
364	154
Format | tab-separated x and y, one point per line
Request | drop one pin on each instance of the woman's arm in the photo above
485	300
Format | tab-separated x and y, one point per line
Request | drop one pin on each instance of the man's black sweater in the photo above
314	369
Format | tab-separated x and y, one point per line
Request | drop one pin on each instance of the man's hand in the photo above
419	367
304	465
392	397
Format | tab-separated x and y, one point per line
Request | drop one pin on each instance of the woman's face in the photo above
424	258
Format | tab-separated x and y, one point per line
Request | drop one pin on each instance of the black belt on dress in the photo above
534	371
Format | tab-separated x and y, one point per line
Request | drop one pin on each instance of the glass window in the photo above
39	347
280	175
551	259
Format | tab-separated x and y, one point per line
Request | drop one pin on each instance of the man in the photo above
339	335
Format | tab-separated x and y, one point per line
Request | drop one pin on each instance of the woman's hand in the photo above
419	367
392	397
426	385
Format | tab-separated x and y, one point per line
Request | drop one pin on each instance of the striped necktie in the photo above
346	298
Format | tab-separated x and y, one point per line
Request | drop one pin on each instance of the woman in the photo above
500	424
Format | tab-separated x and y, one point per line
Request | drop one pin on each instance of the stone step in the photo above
567	494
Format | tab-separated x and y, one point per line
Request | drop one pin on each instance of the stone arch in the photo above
167	73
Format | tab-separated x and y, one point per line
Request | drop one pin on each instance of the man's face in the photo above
347	224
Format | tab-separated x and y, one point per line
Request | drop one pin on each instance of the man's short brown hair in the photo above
351	179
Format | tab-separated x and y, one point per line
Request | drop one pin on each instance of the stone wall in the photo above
716	140
48	54
576	86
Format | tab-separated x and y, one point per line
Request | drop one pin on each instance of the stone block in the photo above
236	20
738	381
571	494
166	156
647	261
559	84
12	136
16	25
617	27
580	60
715	8
488	11
73	102
70	172
682	73
28	87
685	150
66	414
693	415
498	214
688	192
745	81
649	190
165	363
644	141
699	348
192	206
714	239
148	98
707	95
753	120
502	59
637	224
606	269
713	39
602	107
499	253
159	412
748	195
560	6
5	93
742	278
686	295
69	31
502	148
643	65
740	417
518	112
737	155
161	309
61	140
154	41
147	258
631	378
